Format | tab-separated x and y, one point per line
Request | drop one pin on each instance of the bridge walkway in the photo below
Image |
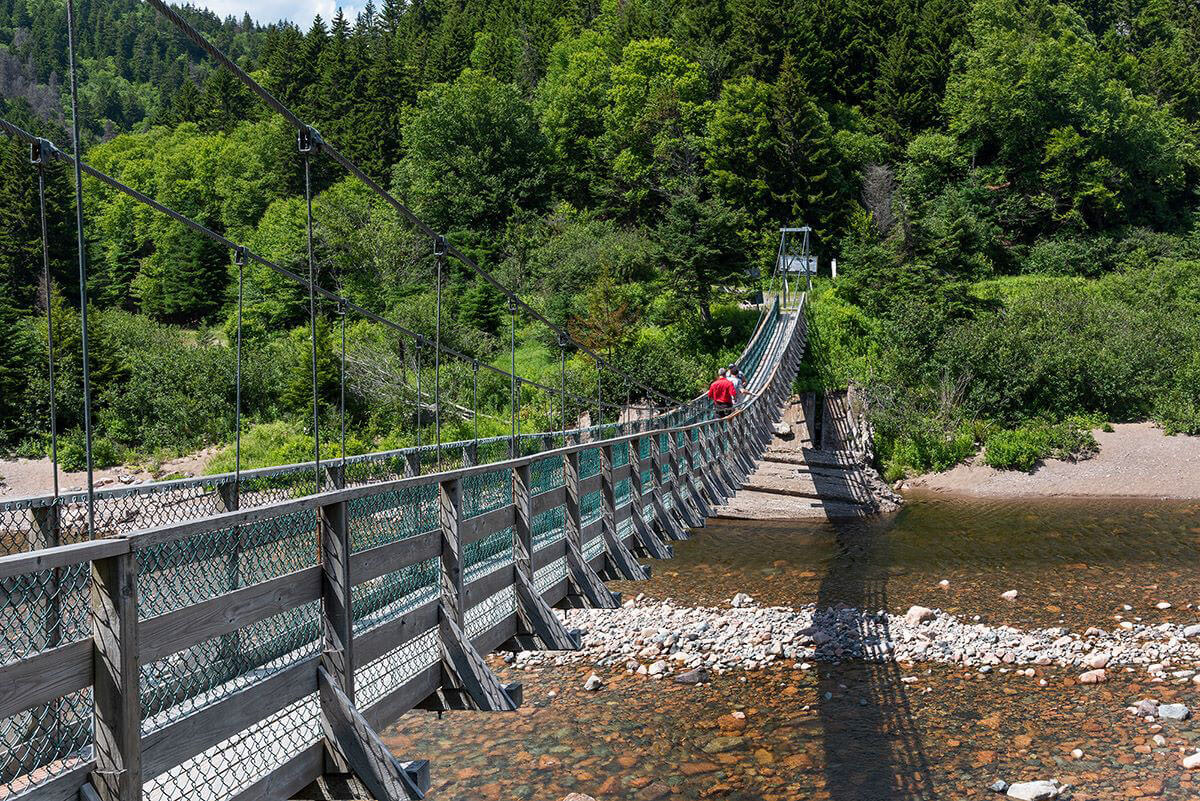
243	654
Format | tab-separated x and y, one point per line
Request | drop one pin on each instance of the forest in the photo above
1008	186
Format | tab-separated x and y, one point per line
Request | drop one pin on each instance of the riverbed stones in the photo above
1040	790
741	601
917	615
1093	677
1010	595
1173	712
1096	660
593	683
694	676
1192	761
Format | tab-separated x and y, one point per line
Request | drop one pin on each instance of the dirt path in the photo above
23	477
1135	460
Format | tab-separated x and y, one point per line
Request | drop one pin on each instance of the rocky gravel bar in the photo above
658	638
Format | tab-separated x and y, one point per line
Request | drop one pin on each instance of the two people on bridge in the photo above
726	390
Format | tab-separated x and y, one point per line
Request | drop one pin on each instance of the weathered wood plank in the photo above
379	640
182	739
163	635
45	676
117	720
65	786
392	556
286	780
61	556
474	529
548	500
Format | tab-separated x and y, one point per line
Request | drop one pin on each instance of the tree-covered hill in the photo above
622	164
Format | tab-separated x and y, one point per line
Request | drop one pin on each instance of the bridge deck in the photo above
207	685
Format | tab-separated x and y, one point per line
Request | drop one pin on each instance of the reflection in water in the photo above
854	731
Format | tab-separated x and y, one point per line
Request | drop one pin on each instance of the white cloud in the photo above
300	12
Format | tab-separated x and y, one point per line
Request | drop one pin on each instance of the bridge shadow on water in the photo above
872	746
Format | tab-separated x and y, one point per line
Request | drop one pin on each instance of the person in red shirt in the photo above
721	392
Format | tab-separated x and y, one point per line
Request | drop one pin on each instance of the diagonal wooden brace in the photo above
467	681
356	744
648	541
586	588
539	629
621	563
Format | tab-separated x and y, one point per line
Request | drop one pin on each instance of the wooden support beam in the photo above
585	588
538	628
359	747
668	525
467	682
621	562
412	464
117	723
337	620
650	544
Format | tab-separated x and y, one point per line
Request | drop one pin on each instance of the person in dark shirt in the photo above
721	392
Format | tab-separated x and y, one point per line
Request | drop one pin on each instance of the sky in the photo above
299	11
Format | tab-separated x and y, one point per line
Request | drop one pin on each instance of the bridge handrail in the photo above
214	483
182	615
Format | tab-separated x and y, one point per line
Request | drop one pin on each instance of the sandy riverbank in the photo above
20	478
1135	460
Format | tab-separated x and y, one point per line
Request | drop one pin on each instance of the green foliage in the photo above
474	154
1023	447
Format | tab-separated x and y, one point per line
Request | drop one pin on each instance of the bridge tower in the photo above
795	256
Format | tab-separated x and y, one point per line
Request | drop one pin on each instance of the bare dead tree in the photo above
878	194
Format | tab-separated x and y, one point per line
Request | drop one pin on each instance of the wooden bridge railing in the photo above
247	654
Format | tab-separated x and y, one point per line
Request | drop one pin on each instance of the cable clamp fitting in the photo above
309	140
439	246
241	255
40	151
420	341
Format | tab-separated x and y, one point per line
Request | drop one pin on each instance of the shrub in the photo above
72	451
1023	447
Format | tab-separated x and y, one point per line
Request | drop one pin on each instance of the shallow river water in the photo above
854	731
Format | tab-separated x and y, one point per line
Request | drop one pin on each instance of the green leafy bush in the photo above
72	451
1023	447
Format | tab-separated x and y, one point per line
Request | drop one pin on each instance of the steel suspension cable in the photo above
512	392
271	101
239	258
49	148
342	392
83	319
305	149
39	159
439	252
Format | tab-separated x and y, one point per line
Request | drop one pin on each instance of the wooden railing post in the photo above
337	620
470	454
650	542
47	534
449	513
118	711
620	562
538	628
585	585
412	464
679	477
522	521
666	522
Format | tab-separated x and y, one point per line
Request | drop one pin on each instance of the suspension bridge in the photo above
242	636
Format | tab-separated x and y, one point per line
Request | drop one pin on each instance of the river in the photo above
854	731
